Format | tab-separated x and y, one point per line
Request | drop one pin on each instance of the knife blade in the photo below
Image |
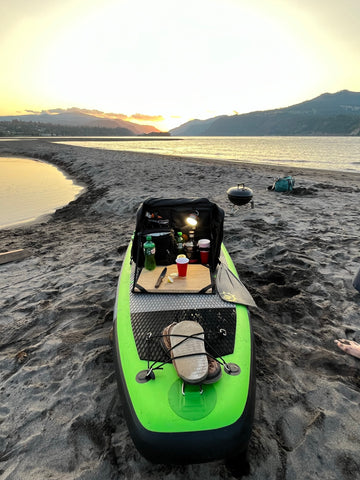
161	276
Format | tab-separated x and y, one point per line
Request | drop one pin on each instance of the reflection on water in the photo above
30	189
328	153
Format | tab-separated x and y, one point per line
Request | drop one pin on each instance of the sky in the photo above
165	62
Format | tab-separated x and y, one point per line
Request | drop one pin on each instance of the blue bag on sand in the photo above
284	184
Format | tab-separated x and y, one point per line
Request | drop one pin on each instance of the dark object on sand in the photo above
284	184
356	281
171	419
240	195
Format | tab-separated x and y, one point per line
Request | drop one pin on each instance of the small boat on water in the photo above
172	417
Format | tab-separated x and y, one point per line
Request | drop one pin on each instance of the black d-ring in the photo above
232	369
145	375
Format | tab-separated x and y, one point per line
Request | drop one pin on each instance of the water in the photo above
30	189
327	153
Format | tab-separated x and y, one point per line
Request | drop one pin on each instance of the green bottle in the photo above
180	243
149	253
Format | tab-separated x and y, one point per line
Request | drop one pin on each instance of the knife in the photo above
161	276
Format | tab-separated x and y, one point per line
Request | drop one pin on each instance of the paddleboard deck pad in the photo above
171	421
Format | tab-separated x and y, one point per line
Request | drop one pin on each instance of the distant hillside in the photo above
79	119
39	129
328	114
197	126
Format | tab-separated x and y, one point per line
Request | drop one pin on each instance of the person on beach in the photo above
349	346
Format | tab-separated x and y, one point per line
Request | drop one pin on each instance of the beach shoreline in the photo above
297	253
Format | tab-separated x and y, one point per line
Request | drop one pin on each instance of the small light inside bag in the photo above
192	219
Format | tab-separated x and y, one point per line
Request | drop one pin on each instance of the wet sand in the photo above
60	412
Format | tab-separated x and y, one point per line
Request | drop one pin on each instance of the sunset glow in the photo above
164	62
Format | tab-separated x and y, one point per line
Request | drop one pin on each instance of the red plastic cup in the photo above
204	247
204	256
182	264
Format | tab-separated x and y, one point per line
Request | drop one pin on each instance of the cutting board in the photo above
197	278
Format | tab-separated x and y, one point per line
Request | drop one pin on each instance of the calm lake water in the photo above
30	189
328	153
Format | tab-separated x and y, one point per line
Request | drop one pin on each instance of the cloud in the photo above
53	111
116	116
146	118
136	117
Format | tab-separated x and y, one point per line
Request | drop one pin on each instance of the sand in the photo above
60	411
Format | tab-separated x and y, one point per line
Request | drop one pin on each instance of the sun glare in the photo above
166	58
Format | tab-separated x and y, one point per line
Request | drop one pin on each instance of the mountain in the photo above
196	126
328	114
80	119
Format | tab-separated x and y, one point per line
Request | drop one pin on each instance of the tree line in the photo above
37	129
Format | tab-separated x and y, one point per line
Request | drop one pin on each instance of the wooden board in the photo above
197	278
14	255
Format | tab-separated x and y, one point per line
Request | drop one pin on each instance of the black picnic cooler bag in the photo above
163	218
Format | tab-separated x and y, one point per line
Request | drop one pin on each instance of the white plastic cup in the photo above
204	243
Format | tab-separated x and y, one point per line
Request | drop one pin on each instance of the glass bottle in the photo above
180	243
149	253
190	247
